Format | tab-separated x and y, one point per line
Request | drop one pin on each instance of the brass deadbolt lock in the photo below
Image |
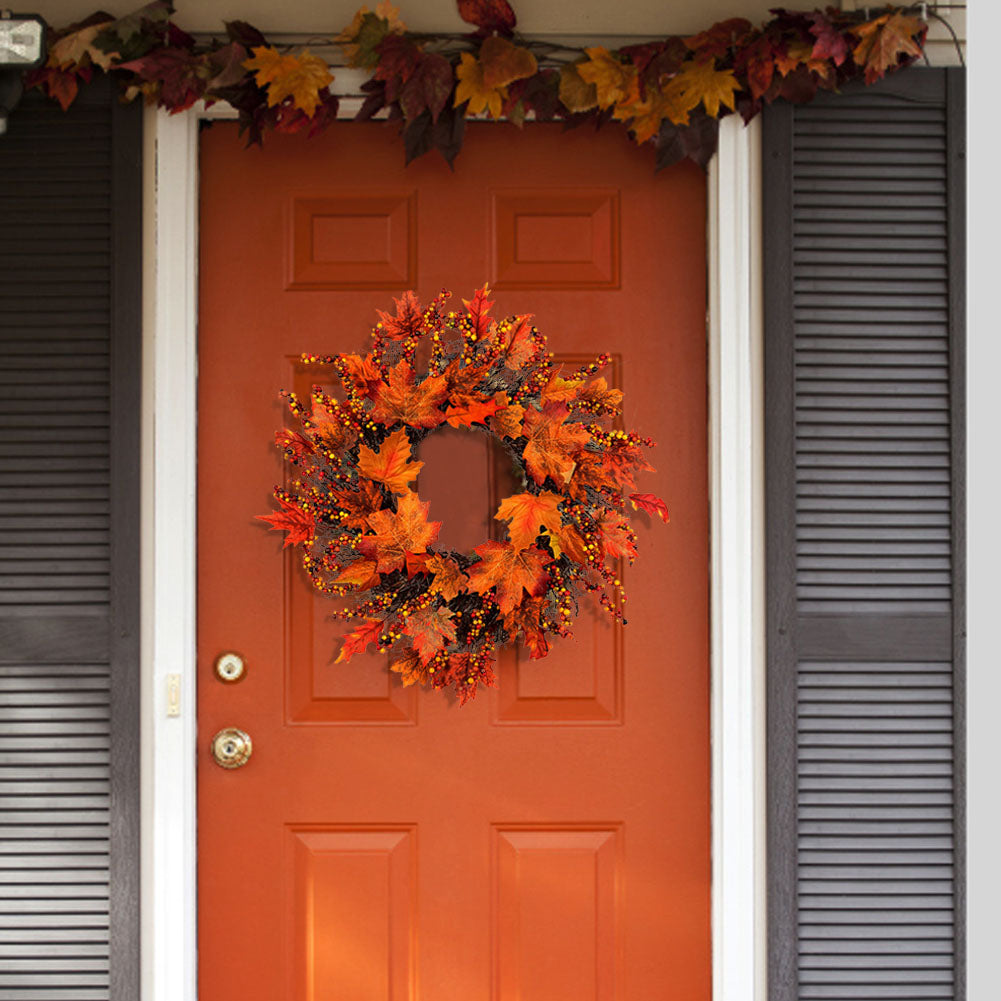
230	667
231	747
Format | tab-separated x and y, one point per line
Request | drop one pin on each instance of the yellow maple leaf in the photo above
645	116
613	81
473	89
78	48
300	77
700	82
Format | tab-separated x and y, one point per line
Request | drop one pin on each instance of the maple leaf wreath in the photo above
365	532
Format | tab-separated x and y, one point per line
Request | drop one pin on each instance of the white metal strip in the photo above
737	577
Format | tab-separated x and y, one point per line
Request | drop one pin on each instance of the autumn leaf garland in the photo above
366	535
668	94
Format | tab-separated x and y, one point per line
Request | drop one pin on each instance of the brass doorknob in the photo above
231	747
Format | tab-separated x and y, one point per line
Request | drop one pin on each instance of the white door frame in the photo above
169	482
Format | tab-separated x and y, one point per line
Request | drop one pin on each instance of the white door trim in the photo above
169	742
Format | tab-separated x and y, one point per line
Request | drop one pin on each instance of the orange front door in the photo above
550	840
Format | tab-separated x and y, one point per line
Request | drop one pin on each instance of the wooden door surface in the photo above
548	841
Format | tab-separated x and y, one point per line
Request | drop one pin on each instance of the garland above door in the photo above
667	94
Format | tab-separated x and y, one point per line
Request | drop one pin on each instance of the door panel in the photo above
550	840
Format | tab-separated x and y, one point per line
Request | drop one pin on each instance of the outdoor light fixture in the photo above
22	47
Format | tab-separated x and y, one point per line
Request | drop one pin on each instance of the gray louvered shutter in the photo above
70	198
864	375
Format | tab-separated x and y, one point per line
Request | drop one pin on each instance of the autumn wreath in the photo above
366	534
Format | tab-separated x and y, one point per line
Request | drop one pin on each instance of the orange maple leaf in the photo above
410	668
359	638
651	504
295	445
402	400
509	571
560	390
431	631
596	397
300	77
612	79
528	514
300	525
391	465
883	40
362	573
407	321
448	578
406	530
471	411
567	540
552	444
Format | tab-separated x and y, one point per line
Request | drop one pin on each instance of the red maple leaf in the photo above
651	504
300	525
617	538
830	44
509	571
359	638
403	400
295	445
488	15
407	321
480	305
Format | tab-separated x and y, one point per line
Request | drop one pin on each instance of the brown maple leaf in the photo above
515	342
300	525
510	572
884	40
448	578
527	619
431	629
391	465
552	444
328	424
295	445
359	638
507	422
407	321
403	400
358	504
528	514
406	530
